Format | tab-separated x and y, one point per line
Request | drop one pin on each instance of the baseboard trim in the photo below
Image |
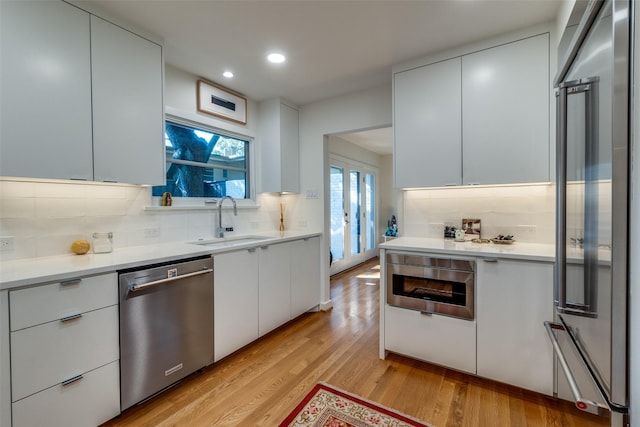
326	306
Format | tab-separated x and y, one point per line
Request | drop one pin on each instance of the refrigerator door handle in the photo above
588	307
581	403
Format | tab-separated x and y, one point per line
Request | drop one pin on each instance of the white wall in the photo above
180	99
358	111
501	210
390	198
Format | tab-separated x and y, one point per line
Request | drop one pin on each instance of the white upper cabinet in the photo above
81	98
128	114
505	126
279	147
46	91
427	125
479	118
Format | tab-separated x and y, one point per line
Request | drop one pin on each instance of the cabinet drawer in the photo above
41	304
437	339
89	401
51	353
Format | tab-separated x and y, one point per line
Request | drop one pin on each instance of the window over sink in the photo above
205	162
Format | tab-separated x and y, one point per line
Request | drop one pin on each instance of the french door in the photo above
353	214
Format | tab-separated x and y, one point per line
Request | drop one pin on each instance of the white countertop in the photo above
31	271
517	250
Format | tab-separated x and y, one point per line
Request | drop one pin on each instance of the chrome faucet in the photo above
220	231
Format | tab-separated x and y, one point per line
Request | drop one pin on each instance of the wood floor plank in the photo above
260	384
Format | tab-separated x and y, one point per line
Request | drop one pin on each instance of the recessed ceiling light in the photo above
276	58
228	74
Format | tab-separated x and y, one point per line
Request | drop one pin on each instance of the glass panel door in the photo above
355	204
370	211
353	215
337	211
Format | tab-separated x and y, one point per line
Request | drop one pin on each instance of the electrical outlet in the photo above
436	229
525	231
6	243
228	229
151	232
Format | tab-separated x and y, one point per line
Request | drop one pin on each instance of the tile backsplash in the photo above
525	211
46	217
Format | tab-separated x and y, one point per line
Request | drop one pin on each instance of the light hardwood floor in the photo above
260	384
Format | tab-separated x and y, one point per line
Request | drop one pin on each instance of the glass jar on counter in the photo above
102	243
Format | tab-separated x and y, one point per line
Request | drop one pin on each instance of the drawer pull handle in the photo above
426	313
70	281
71	380
490	259
72	317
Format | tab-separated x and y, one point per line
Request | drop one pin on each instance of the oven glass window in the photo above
430	289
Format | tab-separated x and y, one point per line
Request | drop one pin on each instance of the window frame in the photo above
209	201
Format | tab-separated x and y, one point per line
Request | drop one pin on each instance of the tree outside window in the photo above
204	163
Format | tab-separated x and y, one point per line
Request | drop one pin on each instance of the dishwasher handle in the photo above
136	287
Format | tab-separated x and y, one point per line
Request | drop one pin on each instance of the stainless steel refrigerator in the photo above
590	331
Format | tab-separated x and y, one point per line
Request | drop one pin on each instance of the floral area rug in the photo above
327	406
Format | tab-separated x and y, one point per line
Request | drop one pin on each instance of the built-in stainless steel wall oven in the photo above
431	284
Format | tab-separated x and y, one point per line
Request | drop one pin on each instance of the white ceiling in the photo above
379	141
333	47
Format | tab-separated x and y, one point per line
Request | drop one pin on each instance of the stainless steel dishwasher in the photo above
166	325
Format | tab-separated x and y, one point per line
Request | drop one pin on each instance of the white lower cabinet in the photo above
259	289
274	293
235	301
514	298
5	366
57	351
305	275
64	345
89	401
437	339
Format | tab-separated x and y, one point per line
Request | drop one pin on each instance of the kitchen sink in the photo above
230	241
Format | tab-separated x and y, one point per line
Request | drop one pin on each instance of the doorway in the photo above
353	217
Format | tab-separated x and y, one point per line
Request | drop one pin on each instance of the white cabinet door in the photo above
41	304
506	113
235	301
128	112
45	129
279	147
514	298
89	401
5	366
305	275
427	126
437	339
49	354
274	296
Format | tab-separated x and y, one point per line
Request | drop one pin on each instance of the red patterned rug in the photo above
327	406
